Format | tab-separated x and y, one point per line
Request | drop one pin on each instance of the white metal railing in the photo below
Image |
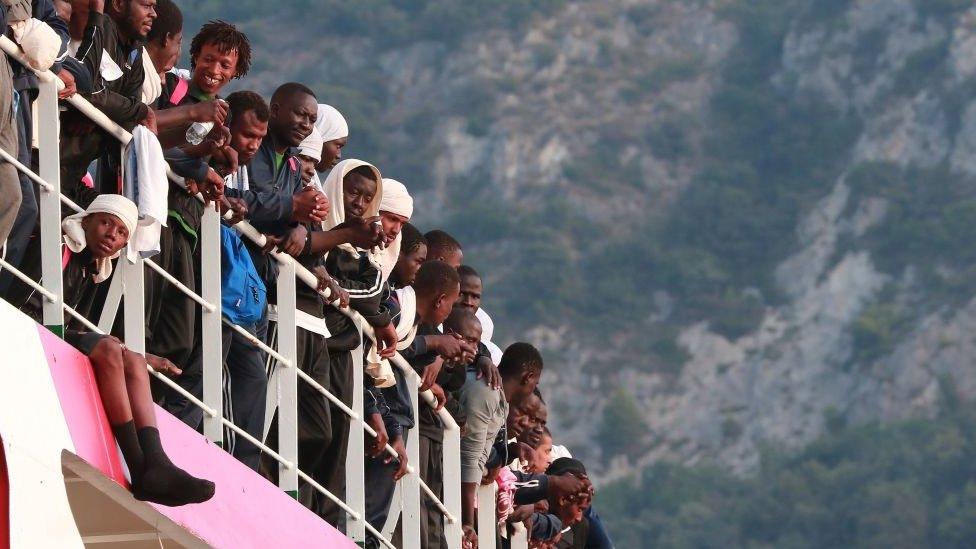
132	278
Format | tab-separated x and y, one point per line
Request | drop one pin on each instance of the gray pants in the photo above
432	471
9	180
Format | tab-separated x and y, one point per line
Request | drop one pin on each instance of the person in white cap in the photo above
332	126
310	154
95	237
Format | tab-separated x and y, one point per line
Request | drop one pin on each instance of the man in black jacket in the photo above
116	91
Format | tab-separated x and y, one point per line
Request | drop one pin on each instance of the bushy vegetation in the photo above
907	485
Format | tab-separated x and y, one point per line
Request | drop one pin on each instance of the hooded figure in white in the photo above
74	233
378	368
396	200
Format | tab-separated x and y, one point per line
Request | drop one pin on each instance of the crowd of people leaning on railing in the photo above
276	163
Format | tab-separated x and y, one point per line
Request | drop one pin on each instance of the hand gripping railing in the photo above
53	316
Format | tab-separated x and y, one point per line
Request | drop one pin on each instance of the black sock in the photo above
125	435
164	483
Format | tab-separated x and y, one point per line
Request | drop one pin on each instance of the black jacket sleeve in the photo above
185	165
530	487
264	207
122	101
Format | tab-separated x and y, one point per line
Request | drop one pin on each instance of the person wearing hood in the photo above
334	131
95	237
310	154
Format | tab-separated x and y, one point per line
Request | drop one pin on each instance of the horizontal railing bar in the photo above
349	511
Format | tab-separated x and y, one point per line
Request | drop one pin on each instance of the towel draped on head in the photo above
74	233
334	192
331	124
396	200
312	146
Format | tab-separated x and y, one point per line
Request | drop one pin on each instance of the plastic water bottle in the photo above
197	131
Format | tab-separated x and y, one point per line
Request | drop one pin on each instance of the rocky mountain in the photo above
729	223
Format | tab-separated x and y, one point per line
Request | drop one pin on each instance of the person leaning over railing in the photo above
112	53
10	195
171	316
43	37
95	237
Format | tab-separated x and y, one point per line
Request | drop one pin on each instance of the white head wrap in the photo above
331	124
396	200
74	234
312	146
334	192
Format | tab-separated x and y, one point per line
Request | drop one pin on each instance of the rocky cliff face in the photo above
544	142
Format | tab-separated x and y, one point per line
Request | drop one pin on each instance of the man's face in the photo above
136	17
541	456
308	168
105	234
171	51
444	304
408	265
246	134
570	510
331	154
535	417
468	331
293	118
357	194
470	297
213	69
392	223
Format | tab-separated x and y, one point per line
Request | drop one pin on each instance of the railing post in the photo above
133	279
50	202
452	486
355	495
411	483
520	537
211	326
487	516
287	378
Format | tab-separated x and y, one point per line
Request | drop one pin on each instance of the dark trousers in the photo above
380	487
9	181
245	391
26	220
432	472
171	316
314	414
333	468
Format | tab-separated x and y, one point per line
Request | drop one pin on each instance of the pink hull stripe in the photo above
247	510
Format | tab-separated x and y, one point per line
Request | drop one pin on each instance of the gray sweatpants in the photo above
9	179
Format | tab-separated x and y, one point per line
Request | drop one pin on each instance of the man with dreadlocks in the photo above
218	54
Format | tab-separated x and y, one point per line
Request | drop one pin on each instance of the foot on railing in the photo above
164	483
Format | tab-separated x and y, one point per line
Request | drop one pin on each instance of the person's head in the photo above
64	8
134	18
309	153
335	132
463	323
569	509
413	253
520	368
470	288
218	54
535	415
396	208
359	188
249	116
107	224
293	113
443	247
436	287
166	36
541	454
